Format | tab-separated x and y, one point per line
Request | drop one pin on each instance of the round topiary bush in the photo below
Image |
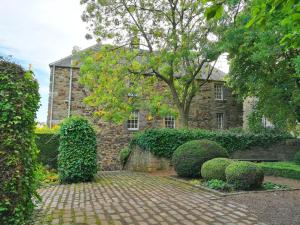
77	158
215	169
189	157
19	102
297	158
244	175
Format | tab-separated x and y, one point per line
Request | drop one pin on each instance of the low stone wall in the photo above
144	161
283	151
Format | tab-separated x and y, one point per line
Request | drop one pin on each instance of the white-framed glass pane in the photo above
170	122
133	121
219	92
220	120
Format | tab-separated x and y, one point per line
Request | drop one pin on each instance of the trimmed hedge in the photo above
163	142
189	157
297	158
77	159
281	169
19	101
244	175
214	169
48	144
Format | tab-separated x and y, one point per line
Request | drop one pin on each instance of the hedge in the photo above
163	142
48	144
281	169
19	101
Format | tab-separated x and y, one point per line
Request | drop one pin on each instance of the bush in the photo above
163	142
189	157
217	185
19	101
48	144
281	169
123	156
244	175
77	159
215	169
297	158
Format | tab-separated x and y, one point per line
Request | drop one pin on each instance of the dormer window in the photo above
219	92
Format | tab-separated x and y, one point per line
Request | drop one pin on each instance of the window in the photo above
169	122
133	121
220	120
219	92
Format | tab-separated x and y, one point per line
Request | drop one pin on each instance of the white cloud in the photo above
40	32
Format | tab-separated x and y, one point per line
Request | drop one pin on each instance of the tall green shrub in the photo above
19	101
77	159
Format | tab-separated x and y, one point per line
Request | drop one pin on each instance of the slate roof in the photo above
216	75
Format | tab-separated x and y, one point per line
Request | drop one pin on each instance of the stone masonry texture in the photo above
117	198
112	138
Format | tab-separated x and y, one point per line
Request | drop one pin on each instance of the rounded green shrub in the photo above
189	157
244	175
77	159
297	158
123	156
19	101
215	169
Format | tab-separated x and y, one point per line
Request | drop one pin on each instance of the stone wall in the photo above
112	138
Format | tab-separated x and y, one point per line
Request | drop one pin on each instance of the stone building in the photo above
214	107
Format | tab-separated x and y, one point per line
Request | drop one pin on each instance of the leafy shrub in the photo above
215	169
19	101
46	177
163	142
217	185
272	186
281	169
48	144
189	157
77	160
297	158
123	156
244	175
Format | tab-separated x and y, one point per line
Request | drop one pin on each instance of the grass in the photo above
281	169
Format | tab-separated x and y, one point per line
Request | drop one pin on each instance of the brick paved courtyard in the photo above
136	198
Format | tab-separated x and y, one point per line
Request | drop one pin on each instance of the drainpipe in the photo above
70	92
52	96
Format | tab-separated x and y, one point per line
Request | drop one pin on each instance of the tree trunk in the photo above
183	119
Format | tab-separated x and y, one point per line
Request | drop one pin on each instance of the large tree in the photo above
264	61
178	46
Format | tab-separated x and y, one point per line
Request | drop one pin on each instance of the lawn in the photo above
281	169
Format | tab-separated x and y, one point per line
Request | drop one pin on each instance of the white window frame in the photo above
219	92
170	120
134	121
220	121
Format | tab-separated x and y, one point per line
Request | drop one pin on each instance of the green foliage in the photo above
77	159
48	144
19	101
261	67
215	169
124	155
297	158
272	186
46	177
219	185
163	142
244	175
176	41
189	157
281	169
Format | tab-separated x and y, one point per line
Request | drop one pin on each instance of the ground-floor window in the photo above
133	121
170	122
220	121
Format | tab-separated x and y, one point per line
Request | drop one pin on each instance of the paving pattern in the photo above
135	198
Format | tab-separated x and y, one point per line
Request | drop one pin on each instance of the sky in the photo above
39	32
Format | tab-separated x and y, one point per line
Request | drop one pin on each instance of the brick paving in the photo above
134	198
